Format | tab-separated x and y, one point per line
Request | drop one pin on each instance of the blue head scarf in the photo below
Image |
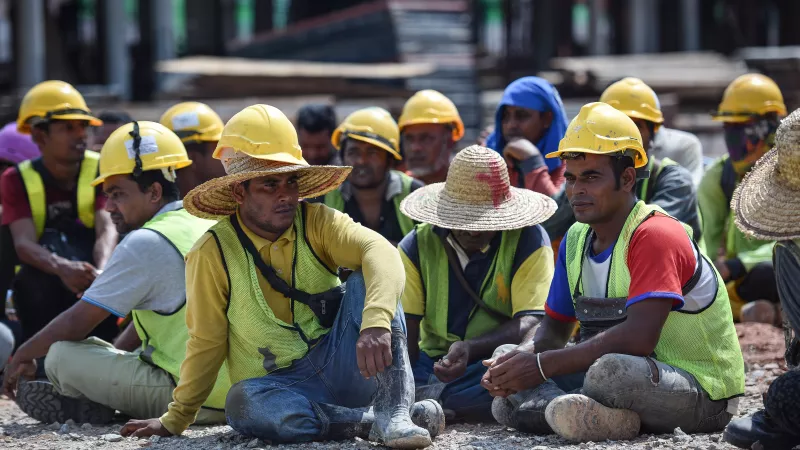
539	95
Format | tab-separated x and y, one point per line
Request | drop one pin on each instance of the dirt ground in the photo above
762	346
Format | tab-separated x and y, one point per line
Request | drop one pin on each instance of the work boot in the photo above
342	423
746	431
578	418
393	426
40	400
525	411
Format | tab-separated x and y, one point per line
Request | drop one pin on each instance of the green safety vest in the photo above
334	199
435	340
164	335
259	342
704	343
34	186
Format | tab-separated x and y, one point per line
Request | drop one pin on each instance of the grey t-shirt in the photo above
683	148
144	272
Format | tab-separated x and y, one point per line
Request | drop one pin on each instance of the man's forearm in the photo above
35	255
511	332
67	326
103	247
128	340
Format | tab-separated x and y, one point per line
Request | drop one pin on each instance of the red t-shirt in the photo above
61	204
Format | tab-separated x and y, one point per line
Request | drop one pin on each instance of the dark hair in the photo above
618	165
115	117
316	118
196	146
170	191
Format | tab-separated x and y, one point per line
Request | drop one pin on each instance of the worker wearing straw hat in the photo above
430	127
90	379
199	128
658	349
477	274
751	109
765	206
263	295
369	140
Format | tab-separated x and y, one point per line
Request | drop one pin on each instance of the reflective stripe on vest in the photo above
704	344
258	342
435	339
34	186
164	335
335	200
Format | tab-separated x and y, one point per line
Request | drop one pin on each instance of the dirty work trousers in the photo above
464	396
284	406
665	397
94	370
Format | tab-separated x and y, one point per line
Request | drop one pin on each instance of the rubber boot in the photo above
393	426
341	423
525	411
759	427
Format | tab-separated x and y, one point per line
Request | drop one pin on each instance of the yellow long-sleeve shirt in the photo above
337	240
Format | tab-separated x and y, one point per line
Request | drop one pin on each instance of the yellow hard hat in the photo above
53	100
371	125
429	106
158	148
633	97
193	122
261	132
750	95
600	129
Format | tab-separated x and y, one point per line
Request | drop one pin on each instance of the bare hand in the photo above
13	371
513	372
454	363
77	275
519	150
722	268
374	351
144	429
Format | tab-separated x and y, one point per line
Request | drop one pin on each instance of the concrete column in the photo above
117	57
643	23
690	16
30	32
162	27
598	28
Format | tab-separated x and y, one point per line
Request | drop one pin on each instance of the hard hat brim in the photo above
25	128
637	115
376	143
639	161
180	165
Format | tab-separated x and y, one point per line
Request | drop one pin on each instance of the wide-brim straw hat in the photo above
477	196
766	204
214	198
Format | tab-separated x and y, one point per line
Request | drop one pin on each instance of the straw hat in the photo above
477	196
259	141
767	201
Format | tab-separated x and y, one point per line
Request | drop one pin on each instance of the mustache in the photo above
286	207
362	170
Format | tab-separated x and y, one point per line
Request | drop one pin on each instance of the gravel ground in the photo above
17	431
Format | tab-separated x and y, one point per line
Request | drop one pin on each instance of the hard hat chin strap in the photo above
137	142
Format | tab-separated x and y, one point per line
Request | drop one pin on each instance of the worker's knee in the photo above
614	377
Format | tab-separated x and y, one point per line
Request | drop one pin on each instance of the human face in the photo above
65	140
99	135
130	208
316	147
644	129
592	189
473	241
370	163
206	167
268	204
748	141
518	122
426	147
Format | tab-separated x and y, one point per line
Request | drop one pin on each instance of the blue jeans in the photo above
465	396
282	406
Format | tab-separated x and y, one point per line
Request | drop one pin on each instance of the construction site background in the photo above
144	55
